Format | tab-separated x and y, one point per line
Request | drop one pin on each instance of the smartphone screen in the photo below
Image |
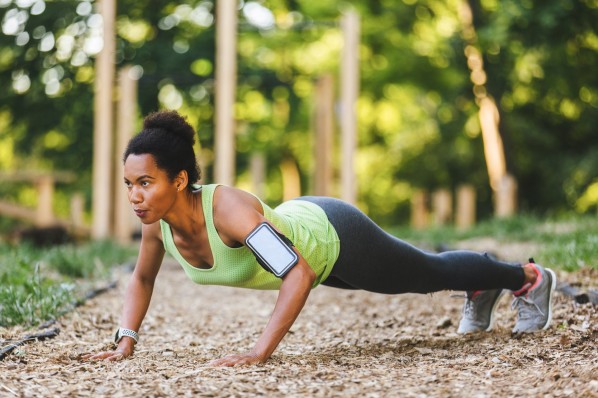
276	255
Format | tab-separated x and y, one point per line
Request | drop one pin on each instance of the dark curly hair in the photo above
169	138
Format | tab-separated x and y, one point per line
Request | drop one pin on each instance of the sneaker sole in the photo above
493	313
552	288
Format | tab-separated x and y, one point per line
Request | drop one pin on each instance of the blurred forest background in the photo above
418	124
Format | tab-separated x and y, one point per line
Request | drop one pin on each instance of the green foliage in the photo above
417	115
589	199
539	69
37	285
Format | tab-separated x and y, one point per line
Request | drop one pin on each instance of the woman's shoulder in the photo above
231	198
235	209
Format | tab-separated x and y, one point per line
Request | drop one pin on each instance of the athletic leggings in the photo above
371	259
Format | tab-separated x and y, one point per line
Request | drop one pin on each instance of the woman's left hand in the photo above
250	358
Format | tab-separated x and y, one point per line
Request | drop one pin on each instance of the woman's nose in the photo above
134	196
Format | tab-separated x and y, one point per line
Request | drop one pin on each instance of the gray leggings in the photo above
371	259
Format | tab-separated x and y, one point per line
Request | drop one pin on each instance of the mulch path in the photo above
345	343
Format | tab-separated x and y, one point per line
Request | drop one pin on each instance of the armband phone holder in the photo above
273	251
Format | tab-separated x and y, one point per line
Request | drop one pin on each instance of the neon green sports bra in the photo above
304	223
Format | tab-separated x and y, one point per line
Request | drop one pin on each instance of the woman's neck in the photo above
186	215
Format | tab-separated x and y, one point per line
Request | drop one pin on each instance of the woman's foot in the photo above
478	311
534	301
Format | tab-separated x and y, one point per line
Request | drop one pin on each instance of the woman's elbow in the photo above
141	279
308	274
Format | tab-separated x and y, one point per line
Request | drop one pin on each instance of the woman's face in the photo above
151	192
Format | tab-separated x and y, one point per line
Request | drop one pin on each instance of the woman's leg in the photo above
374	260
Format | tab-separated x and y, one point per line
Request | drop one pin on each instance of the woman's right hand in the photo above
125	349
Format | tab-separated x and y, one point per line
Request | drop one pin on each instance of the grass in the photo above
568	242
34	299
37	285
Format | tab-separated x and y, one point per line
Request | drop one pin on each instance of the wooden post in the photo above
45	189
324	126
506	197
349	92
42	215
102	127
493	146
257	166
488	115
125	126
419	212
204	160
466	206
11	210
77	208
291	180
442	205
226	70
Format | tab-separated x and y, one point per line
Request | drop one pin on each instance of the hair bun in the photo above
171	122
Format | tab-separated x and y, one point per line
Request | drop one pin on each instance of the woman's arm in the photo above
295	289
139	291
240	215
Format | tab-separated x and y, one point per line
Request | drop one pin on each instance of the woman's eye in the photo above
145	183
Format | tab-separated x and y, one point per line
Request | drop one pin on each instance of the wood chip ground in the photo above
344	344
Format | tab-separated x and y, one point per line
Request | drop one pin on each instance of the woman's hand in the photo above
250	358
124	350
139	292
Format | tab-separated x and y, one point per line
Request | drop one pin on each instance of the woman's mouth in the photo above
140	213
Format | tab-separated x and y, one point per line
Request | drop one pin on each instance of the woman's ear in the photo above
181	180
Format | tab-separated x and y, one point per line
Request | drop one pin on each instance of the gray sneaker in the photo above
534	306
478	311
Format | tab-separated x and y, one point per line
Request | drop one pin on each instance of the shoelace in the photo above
525	311
469	308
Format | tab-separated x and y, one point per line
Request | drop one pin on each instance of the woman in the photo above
209	230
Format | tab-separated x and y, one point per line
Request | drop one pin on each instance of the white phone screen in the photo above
266	244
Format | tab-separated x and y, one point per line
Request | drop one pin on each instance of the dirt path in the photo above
344	344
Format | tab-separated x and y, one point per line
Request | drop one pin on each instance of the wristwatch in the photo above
122	332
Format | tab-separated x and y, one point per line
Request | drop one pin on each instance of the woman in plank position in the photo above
224	236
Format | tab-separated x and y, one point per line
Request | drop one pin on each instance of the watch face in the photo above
117	336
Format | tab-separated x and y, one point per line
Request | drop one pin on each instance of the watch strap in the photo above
122	332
